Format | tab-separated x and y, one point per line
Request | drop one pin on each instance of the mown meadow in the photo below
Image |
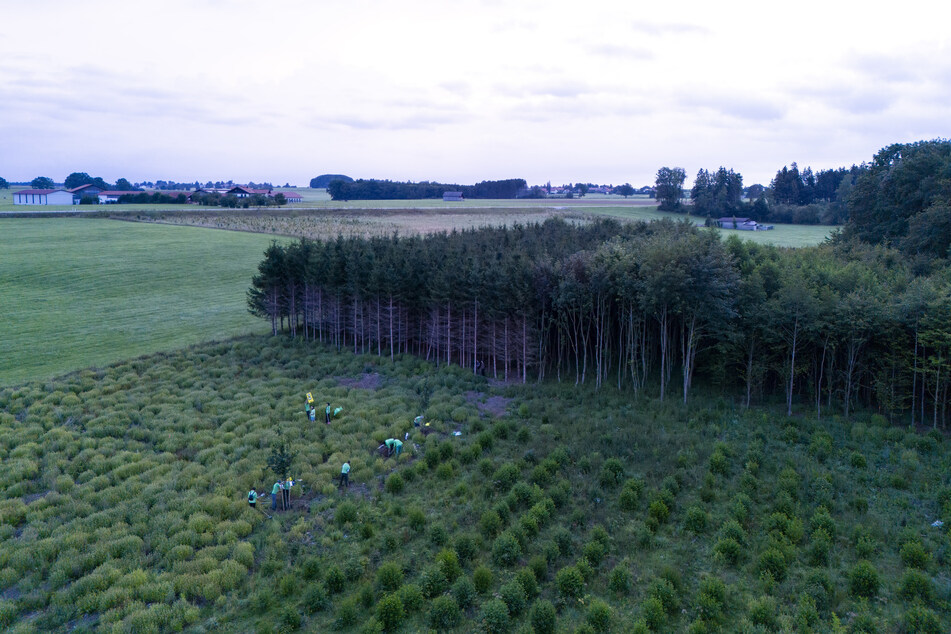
79	292
556	509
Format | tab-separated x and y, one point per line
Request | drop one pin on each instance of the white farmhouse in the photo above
42	197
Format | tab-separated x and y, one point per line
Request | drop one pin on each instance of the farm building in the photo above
110	197
85	190
741	224
292	197
452	196
247	192
42	197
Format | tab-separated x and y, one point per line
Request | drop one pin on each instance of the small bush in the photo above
490	524
773	562
416	519
390	612
620	579
857	460
863	580
539	566
595	552
411	597
465	546
346	512
464	592
444	614
394	485
696	520
712	599
505	476
526	578
494	617
665	592
389	576
913	554
543	618
654	614
315	598
335	579
506	550
631	493
916	586
658	511
438	535
599	615
448	562
433	582
821	520
921	620
763	612
514	597
612	472
482	578
347	614
569	582
820	547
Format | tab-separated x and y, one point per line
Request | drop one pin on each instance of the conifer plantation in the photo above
655	307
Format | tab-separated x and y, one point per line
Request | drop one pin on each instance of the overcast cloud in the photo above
603	92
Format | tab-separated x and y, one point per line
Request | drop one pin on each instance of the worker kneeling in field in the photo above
394	446
252	498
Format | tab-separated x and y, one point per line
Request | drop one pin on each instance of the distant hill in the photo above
321	182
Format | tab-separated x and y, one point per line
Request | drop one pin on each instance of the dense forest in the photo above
641	306
393	190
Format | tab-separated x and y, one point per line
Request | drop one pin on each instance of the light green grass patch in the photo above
88	292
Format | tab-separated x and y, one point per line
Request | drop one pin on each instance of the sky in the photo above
464	91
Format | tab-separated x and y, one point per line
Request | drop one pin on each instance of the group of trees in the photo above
322	181
717	194
393	190
212	199
640	306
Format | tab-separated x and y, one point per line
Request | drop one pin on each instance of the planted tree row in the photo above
640	306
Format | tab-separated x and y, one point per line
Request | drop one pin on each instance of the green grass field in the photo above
556	509
80	292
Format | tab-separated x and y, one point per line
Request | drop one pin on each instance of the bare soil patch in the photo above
494	406
371	381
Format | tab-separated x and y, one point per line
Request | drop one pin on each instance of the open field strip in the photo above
86	292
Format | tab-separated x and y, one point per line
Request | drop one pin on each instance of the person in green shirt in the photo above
345	474
277	487
252	498
398	445
328	413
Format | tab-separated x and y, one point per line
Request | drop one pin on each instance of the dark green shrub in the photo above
916	586
595	552
394	483
464	592
506	550
762	612
505	476
526	578
631	493
433	582
857	460
494	617
416	519
822	520
347	614
696	520
366	595
411	597
612	472
921	620
448	562
346	512
665	592
310	570
389	576
465	546
390	612
599	615
807	614
315	598
863	580
543	618
772	561
712	599
620	579
820	547
335	579
818	586
482	578
514	596
585	568
563	539
913	554
654	614
539	566
658	511
569	582
438	535
490	524
719	463
444	614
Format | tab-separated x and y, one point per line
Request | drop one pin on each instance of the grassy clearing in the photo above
82	292
123	506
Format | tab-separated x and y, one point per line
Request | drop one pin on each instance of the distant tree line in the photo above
395	190
322	181
638	306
